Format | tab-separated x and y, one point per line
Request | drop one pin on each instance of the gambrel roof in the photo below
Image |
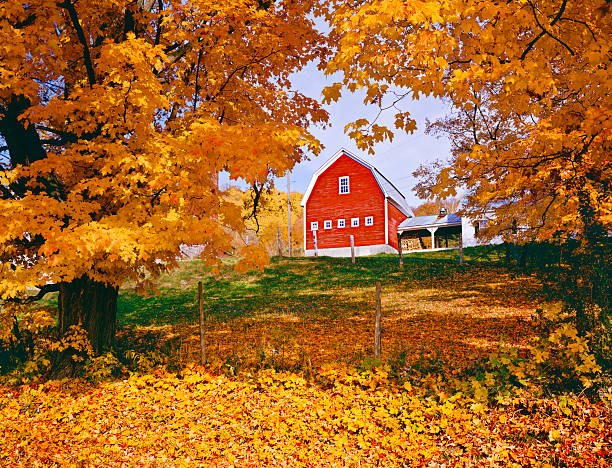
389	190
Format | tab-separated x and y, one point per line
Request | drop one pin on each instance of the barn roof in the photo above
387	188
422	222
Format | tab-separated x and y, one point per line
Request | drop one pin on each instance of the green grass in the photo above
305	286
301	310
302	286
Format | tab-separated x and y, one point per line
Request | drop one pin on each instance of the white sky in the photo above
396	160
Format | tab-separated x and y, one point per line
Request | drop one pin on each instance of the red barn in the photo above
348	196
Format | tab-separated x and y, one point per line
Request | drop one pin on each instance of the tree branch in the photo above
42	292
584	23
242	68
530	45
26	22
6	193
258	191
197	83
156	195
160	7
545	31
69	6
67	137
54	142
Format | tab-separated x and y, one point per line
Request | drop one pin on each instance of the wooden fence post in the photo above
461	248
353	248
314	238
280	245
289	210
377	342
399	248
202	330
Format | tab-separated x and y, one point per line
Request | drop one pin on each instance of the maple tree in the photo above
530	88
264	211
530	84
271	215
116	117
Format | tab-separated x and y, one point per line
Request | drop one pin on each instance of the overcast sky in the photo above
396	160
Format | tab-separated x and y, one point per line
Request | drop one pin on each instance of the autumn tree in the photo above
529	82
265	211
431	208
115	119
271	216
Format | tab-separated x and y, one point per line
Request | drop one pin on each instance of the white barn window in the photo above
341	223
343	184
314	226
327	224
354	222
369	221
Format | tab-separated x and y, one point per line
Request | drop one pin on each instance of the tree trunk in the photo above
93	306
523	258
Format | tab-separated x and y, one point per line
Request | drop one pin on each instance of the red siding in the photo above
365	199
395	219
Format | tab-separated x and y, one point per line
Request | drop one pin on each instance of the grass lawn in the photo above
320	310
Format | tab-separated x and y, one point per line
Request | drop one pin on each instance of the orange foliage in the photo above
271	214
280	419
432	208
530	84
117	117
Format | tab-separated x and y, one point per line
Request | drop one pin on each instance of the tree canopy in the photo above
433	207
116	117
529	83
262	224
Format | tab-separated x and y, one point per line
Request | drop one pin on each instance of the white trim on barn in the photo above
360	251
304	238
386	222
340	186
